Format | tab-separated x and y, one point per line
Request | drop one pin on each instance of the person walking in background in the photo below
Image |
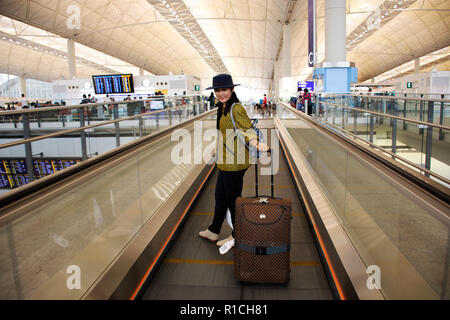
264	104
108	104
85	100
306	101
299	99
212	101
23	104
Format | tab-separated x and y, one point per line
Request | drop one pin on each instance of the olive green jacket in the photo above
231	154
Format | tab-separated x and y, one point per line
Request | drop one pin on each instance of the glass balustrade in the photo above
406	239
57	141
88	223
416	130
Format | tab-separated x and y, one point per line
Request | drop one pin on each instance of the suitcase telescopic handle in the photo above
271	172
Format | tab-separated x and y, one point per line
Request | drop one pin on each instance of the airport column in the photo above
335	74
23	85
286	50
276	80
71	59
335	31
27	134
285	85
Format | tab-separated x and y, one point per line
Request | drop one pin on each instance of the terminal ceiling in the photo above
241	37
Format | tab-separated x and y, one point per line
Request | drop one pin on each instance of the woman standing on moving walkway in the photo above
231	173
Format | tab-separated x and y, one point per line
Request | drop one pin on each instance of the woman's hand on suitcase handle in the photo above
260	146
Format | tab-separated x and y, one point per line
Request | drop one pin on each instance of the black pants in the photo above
228	189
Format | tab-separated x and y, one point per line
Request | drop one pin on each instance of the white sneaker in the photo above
208	235
222	242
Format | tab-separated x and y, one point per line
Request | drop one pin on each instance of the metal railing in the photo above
429	110
374	126
126	120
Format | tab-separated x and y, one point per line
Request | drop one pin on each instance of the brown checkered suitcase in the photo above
262	238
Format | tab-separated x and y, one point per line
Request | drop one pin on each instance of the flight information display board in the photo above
43	167
19	166
4	182
110	84
306	85
13	172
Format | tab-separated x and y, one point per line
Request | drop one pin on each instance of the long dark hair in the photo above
228	104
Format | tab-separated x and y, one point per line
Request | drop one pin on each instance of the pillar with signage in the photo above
312	33
335	74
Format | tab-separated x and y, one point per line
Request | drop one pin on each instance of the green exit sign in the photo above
409	85
197	87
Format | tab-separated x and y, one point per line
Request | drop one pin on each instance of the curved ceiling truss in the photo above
240	37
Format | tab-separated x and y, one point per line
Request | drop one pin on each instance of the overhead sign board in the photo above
306	84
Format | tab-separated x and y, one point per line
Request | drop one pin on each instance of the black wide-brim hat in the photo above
222	81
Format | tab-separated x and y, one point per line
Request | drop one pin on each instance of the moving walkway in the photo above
124	225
